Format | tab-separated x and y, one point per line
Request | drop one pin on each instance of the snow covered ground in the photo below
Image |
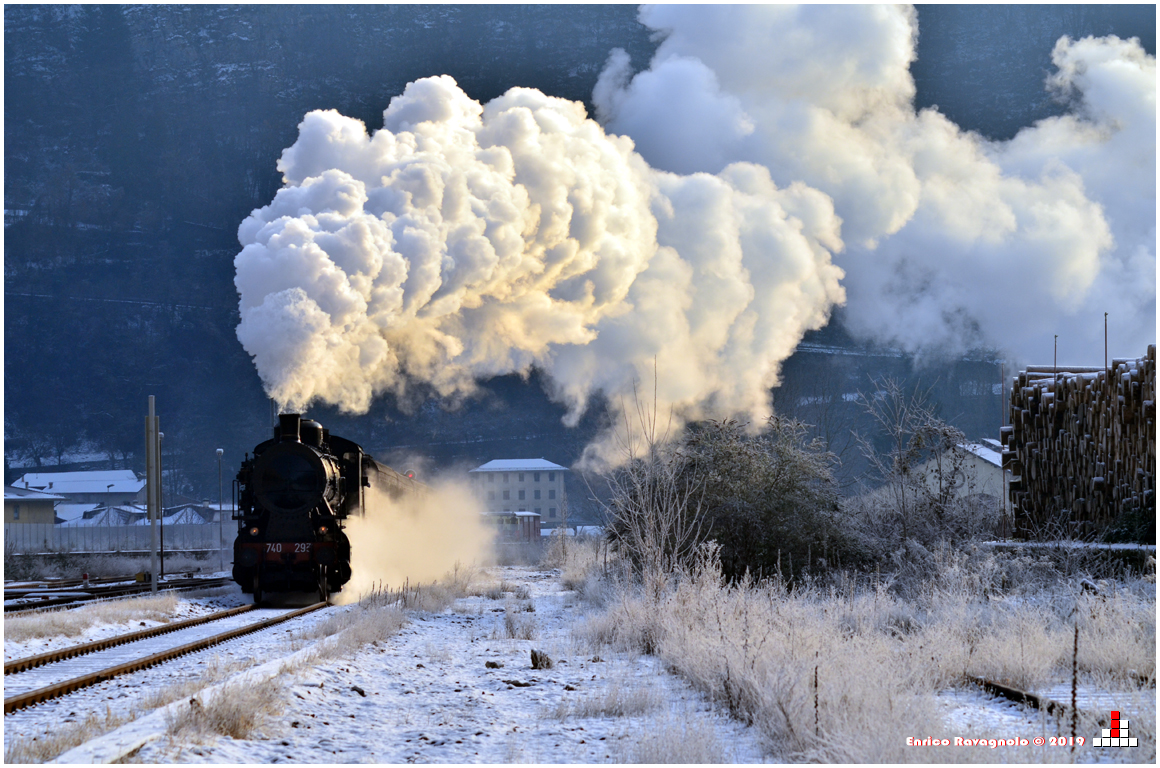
428	694
454	687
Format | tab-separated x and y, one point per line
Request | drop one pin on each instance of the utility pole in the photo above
221	524
152	485
161	499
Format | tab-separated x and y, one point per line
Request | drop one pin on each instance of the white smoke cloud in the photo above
462	241
953	240
768	161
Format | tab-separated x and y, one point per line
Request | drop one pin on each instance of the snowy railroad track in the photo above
72	598
52	681
1035	701
42	584
31	662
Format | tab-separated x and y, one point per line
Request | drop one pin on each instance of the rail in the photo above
47	693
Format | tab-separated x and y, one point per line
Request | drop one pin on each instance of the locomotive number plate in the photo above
289	551
278	547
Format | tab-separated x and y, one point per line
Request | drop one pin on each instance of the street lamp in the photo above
221	524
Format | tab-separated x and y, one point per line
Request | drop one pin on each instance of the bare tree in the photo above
654	508
926	491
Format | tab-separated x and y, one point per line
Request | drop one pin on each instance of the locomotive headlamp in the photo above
322	529
254	531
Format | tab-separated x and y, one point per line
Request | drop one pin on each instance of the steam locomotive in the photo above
293	496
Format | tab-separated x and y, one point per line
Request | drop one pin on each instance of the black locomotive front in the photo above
293	496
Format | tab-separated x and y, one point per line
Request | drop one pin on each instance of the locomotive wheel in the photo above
257	589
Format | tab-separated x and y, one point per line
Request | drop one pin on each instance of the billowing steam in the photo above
463	241
953	240
416	539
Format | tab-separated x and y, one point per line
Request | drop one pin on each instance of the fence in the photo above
42	538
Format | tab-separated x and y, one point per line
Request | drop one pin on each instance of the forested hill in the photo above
137	138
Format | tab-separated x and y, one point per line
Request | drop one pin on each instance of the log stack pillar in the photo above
1081	445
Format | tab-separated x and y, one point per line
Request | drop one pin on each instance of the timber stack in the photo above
1081	445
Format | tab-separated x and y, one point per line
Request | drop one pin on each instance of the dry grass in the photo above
215	671
879	659
675	740
76	622
517	623
236	710
616	700
496	589
59	738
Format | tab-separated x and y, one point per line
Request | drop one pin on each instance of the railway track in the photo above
67	597
52	675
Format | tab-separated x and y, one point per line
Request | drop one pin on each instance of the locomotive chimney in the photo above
288	425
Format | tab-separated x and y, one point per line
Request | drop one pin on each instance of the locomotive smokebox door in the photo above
289	478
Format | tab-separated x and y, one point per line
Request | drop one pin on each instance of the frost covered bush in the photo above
843	675
770	499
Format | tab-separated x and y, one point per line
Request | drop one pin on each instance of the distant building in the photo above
515	526
522	485
25	505
981	477
111	487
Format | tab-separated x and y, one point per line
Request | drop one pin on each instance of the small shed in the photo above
514	526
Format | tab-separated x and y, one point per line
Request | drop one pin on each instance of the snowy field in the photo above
454	685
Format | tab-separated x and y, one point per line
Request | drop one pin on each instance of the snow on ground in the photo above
973	713
188	607
429	696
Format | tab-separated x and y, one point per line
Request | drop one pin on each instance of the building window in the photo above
552	493
491	495
537	493
507	495
16	512
505	478
551	511
521	477
538	510
536	476
551	476
521	495
490	478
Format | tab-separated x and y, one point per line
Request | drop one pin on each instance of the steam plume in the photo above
464	241
415	538
954	240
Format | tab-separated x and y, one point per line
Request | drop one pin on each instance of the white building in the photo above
111	487
981	475
522	485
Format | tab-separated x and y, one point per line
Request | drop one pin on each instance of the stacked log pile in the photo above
1081	445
